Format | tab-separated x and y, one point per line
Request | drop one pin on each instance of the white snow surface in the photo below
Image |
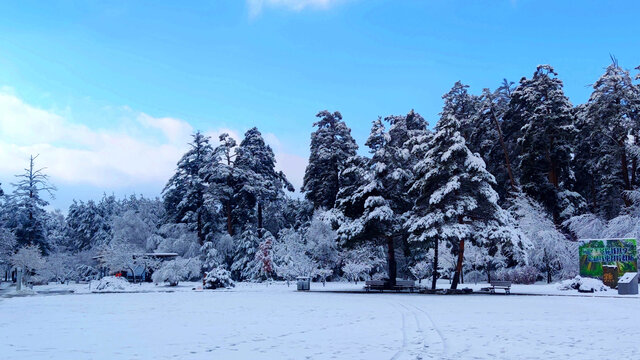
256	321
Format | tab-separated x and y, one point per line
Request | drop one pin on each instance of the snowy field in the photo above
254	321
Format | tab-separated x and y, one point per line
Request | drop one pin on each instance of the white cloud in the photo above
256	6
139	149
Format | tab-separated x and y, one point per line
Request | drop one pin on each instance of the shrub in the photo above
218	278
519	274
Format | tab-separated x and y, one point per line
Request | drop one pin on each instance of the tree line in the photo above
502	185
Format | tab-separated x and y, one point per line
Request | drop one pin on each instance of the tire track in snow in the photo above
404	334
434	327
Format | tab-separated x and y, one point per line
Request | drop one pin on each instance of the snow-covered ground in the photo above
254	321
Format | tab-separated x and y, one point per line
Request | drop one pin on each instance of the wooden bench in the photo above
382	285
505	285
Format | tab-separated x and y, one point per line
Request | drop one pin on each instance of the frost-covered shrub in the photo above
583	284
176	270
519	274
110	283
218	278
474	276
86	273
421	270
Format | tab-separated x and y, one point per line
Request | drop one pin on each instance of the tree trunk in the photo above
456	276
625	175
504	150
391	253
435	267
259	220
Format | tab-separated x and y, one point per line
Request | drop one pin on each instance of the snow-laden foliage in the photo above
421	270
291	257
552	253
375	199
174	238
583	284
184	194
331	146
540	120
29	260
26	214
454	199
110	284
218	278
177	270
606	145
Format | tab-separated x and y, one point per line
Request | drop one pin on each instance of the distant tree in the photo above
322	245
27	206
331	146
29	259
246	246
177	270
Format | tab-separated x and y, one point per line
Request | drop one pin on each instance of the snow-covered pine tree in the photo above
27	206
223	179
184	194
542	117
607	142
453	193
486	137
382	193
261	183
459	103
246	246
331	146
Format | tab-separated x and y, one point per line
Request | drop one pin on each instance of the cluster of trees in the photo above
502	185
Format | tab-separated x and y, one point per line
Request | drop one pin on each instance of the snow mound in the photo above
110	283
583	284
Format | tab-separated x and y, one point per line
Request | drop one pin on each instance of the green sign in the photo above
596	253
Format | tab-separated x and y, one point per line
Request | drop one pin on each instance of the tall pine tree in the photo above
184	194
331	146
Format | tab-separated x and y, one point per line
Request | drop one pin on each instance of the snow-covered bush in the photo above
110	283
519	274
583	284
30	260
552	253
421	270
176	270
218	278
355	270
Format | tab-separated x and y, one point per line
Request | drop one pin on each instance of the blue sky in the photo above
108	92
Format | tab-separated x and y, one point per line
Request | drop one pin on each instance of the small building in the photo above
628	284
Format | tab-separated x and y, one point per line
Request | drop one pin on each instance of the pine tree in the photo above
223	179
260	183
29	216
184	194
381	195
609	125
541	117
454	197
331	146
